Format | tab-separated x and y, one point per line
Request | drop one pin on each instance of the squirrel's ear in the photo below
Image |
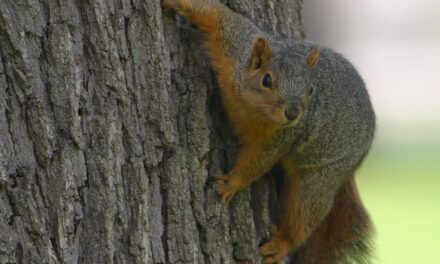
313	58
261	52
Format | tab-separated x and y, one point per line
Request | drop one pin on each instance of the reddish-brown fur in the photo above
250	127
346	227
293	231
253	130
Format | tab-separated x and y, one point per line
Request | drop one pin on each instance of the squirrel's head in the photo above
277	81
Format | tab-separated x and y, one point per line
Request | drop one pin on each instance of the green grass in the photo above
400	185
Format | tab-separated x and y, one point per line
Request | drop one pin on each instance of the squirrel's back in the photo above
340	122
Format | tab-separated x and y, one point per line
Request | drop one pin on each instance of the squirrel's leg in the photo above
253	161
308	198
344	235
229	35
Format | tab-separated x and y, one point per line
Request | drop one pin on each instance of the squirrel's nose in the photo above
292	112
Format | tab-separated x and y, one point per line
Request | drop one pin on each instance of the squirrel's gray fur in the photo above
338	128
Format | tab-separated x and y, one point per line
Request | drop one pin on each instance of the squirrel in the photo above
304	107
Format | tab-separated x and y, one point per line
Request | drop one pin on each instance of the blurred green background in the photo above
399	184
395	45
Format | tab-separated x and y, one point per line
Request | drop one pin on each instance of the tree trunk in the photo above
111	131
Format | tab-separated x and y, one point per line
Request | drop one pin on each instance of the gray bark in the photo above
111	131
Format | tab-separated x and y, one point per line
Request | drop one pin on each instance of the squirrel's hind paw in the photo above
276	249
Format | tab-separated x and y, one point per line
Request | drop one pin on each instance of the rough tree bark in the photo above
110	132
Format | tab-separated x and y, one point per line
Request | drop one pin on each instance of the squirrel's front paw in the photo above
278	247
231	185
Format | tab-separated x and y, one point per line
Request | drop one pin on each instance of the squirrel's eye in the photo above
267	81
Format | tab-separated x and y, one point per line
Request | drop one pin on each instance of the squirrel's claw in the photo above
228	189
221	177
274	250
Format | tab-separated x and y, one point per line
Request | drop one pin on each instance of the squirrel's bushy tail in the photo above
345	235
